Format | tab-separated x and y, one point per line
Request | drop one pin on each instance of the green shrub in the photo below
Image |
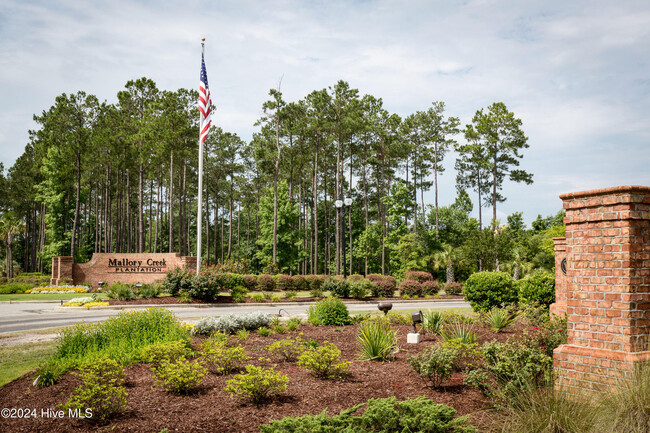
149	291
360	288
498	318
12	288
265	282
293	324
239	293
263	331
166	351
537	288
396	318
102	392
288	349
410	288
229	281
486	290
468	354
291	295
315	281
418	276
316	293
221	359
515	366
242	334
329	311
257	297
177	280
377	340
279	328
231	323
385	415
453	288
299	282
180	376
337	287
121	291
436	364
258	384
430	288
283	282
323	361
50	372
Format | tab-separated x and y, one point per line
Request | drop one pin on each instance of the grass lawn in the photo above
16	361
47	296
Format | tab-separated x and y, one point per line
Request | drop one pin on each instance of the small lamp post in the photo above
385	307
414	337
347	202
100	284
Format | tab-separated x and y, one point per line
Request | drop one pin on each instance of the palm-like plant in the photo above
377	341
459	331
9	227
498	318
432	321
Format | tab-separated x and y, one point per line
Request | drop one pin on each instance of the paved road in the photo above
29	316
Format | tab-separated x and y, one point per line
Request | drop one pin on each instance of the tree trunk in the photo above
171	203
77	201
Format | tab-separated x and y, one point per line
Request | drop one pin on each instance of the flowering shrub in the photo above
283	282
57	289
419	276
453	288
265	282
257	384
410	288
231	323
322	361
250	282
547	336
299	282
430	288
382	288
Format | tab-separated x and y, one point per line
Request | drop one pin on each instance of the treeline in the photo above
122	177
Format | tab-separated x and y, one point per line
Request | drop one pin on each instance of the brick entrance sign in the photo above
122	267
606	290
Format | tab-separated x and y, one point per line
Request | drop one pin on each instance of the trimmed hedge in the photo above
410	288
419	276
486	290
537	288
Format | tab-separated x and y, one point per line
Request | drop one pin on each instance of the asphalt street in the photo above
34	315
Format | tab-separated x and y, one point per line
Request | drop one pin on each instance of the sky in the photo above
576	73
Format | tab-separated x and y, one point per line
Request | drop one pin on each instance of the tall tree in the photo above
500	134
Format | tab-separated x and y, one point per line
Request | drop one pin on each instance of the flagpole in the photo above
200	201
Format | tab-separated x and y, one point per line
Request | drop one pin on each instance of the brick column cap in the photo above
631	189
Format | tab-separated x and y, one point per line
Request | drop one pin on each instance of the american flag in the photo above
204	102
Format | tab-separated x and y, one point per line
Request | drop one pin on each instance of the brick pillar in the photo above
559	307
61	268
608	288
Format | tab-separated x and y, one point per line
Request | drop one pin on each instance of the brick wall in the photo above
123	267
559	307
607	287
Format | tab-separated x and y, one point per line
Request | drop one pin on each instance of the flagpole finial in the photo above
202	39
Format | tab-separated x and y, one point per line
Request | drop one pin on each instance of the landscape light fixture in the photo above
100	284
341	210
385	307
138	285
416	316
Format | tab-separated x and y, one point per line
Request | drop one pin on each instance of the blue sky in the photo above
577	74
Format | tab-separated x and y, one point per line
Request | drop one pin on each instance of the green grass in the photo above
46	296
121	337
16	361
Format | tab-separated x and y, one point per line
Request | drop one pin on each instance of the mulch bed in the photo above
211	409
166	300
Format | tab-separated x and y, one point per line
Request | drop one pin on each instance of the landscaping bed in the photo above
212	409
